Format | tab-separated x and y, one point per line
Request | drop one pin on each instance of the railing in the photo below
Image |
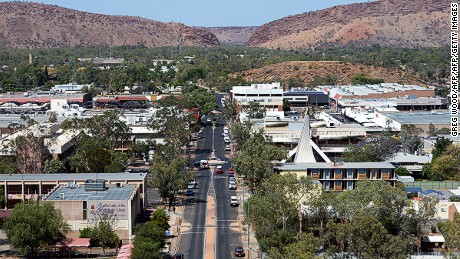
434	184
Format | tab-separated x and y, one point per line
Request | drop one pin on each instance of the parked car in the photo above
191	186
226	131
219	169
231	179
189	192
232	186
234	201
239	252
208	120
228	148
180	256
193	182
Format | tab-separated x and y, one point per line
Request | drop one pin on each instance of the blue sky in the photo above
202	12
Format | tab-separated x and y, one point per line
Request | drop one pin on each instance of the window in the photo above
326	186
349	185
85	210
350	174
326	174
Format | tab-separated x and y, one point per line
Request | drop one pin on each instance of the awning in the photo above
74	242
426	192
413	189
434	239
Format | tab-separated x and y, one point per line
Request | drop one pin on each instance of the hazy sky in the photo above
202	12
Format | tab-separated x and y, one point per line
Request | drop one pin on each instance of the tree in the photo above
432	131
254	110
255	159
230	110
103	223
200	98
35	226
149	240
375	149
447	166
54	166
440	146
410	138
451	232
160	219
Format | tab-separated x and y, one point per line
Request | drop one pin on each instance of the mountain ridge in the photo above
33	25
398	23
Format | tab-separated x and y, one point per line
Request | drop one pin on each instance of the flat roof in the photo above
365	165
71	177
112	193
420	117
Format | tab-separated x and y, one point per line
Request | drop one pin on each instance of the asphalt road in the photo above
226	239
192	240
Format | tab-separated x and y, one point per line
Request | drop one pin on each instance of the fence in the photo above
426	185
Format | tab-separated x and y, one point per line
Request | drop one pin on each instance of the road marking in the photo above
192	233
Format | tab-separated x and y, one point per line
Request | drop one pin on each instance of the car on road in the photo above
227	140
219	169
234	201
231	179
193	182
232	186
226	131
189	192
180	256
191	186
208	120
239	252
228	148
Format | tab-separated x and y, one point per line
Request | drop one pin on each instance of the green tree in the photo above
54	166
35	226
451	232
447	166
149	240
254	110
103	224
200	98
410	138
254	160
440	146
160	219
375	149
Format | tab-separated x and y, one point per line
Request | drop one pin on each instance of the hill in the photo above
306	71
233	34
398	23
33	25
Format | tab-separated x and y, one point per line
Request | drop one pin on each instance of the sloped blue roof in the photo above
413	189
426	192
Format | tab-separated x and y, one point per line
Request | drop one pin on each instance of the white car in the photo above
227	139
228	148
226	131
232	186
208	120
193	182
191	186
234	201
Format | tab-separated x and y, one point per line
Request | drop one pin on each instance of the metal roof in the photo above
112	193
364	165
71	177
413	189
419	117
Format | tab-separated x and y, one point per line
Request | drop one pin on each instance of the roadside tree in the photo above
35	226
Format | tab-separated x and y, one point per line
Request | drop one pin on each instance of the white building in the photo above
270	96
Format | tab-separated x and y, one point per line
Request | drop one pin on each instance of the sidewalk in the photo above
175	222
253	244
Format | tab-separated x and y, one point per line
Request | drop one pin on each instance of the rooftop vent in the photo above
99	185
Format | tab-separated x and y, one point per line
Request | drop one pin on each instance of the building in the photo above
341	176
419	119
69	88
21	187
104	63
300	97
83	205
384	90
269	96
413	163
400	104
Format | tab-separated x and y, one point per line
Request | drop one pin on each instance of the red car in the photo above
239	252
219	169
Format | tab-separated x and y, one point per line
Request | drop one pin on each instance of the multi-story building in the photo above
341	176
269	96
